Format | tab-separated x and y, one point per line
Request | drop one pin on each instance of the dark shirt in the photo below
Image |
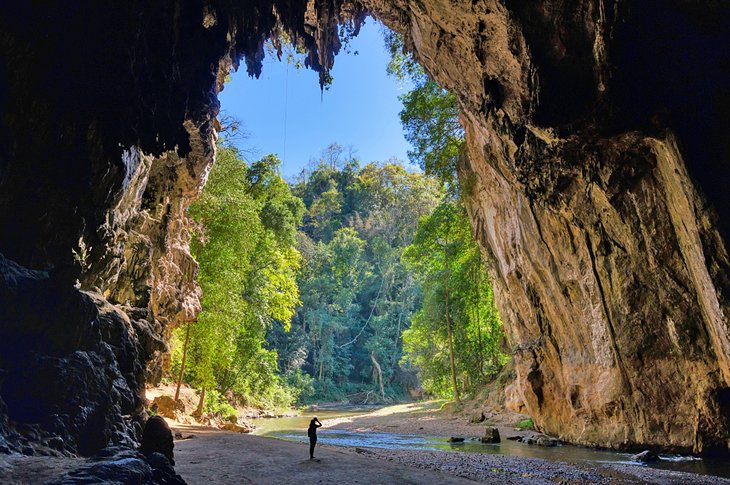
312	431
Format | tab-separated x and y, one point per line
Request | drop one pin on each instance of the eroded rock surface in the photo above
118	465
594	171
73	365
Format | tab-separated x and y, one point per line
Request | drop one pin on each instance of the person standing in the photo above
312	432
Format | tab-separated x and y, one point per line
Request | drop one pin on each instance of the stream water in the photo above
295	429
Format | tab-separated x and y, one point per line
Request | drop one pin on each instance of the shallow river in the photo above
295	429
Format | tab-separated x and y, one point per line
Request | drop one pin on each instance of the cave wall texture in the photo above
597	161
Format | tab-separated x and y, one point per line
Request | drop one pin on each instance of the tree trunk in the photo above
182	363
380	374
201	403
477	301
451	344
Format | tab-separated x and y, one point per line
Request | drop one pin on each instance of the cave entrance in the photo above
283	112
355	274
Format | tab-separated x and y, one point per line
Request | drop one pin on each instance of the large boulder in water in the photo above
491	435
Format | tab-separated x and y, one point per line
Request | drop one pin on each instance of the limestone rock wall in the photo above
596	202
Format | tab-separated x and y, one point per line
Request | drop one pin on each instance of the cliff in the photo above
597	161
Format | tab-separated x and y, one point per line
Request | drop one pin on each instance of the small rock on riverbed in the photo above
645	457
455	439
477	418
541	441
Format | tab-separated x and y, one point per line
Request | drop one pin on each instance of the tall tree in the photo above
430	116
458	317
245	240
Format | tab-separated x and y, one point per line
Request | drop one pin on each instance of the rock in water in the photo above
491	435
455	439
157	438
546	441
645	456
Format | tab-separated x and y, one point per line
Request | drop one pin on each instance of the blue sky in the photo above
360	108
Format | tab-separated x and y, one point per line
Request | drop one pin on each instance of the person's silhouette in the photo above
312	432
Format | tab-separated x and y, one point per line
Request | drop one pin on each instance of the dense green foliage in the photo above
354	282
454	339
430	116
245	244
357	296
457	292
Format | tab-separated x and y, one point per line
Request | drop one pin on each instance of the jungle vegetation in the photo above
355	281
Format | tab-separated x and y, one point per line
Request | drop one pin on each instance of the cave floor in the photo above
215	456
21	469
222	457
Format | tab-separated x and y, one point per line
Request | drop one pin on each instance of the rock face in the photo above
596	168
73	401
118	465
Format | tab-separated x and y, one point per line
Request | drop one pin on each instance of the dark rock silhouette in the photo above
491	435
73	365
645	456
121	465
157	438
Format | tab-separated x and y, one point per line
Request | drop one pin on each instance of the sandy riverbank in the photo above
221	457
215	456
427	418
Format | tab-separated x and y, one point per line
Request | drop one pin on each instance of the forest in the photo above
354	282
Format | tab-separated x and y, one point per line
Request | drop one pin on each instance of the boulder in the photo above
645	456
477	418
157	438
540	440
167	406
491	435
119	465
546	441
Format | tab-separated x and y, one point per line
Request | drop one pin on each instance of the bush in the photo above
300	384
525	424
217	404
